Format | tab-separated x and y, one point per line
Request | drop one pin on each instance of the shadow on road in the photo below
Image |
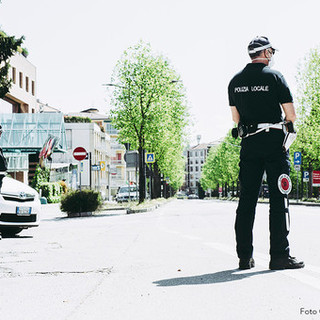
210	278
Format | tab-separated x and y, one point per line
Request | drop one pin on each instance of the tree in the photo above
222	164
8	47
149	110
308	120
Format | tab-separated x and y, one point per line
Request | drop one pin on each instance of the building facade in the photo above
196	157
22	95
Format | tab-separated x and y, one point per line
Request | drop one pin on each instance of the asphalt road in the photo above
177	262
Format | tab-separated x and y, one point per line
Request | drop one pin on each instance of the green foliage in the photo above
77	120
40	176
8	47
222	164
308	124
150	110
52	191
81	201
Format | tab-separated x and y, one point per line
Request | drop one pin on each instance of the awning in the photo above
27	132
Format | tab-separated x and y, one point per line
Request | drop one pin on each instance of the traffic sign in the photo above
297	167
95	167
297	158
79	153
150	158
103	165
284	184
316	178
305	176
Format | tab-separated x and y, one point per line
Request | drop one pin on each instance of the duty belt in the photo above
287	126
264	127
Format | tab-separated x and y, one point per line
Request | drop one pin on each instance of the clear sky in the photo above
75	45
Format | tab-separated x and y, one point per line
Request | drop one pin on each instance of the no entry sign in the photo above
79	153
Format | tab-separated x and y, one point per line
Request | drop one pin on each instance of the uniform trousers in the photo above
261	153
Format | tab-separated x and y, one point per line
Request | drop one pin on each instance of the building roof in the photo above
93	115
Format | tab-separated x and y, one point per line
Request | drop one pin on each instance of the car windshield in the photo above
126	189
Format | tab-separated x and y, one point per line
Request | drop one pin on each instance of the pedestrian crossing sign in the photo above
150	158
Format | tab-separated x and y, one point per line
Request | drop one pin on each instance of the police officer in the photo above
257	96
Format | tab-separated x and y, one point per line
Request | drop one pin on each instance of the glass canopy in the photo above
27	132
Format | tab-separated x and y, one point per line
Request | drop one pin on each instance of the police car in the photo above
19	207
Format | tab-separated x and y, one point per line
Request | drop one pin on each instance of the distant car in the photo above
19	207
193	196
124	193
181	195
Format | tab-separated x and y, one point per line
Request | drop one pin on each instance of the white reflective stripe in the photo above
260	48
265	127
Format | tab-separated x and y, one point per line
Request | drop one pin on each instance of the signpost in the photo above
80	154
297	166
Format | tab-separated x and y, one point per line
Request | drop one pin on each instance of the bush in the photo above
52	191
81	201
40	176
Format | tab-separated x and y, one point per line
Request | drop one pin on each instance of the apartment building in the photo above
196	157
22	95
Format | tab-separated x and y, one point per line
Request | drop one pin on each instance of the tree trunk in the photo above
142	176
156	190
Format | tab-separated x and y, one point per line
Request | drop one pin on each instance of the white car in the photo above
124	194
19	207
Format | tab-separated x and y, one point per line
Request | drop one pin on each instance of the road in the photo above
177	262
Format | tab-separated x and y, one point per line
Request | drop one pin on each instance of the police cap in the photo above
259	43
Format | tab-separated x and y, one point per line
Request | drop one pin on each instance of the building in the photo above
196	157
93	137
22	95
23	137
118	164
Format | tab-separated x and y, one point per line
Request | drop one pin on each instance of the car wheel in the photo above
9	232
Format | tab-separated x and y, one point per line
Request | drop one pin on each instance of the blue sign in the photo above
150	158
305	176
297	158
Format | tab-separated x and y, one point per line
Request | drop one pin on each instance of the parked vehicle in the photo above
181	195
124	193
19	207
193	196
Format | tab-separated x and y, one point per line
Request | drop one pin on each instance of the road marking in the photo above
261	260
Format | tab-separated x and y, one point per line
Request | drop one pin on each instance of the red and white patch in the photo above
284	184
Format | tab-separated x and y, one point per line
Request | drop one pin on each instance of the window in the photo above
196	153
27	84
191	169
201	153
20	79
196	161
69	138
197	169
32	88
14	71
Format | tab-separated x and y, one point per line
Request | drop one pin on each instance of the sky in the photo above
75	45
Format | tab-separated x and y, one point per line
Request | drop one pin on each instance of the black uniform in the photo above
257	92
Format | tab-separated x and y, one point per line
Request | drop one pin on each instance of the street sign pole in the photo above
297	165
80	154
